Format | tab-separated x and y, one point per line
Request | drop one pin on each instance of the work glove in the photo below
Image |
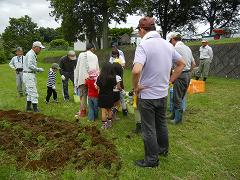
40	69
63	77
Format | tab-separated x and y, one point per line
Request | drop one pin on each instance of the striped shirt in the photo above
51	82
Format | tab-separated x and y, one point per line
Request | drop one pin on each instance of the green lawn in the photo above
205	146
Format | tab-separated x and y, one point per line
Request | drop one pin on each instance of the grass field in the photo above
205	146
215	42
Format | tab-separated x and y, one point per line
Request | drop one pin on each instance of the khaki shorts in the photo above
83	90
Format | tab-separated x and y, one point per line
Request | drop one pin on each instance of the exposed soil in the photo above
39	141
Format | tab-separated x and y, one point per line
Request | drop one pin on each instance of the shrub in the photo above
59	44
3	58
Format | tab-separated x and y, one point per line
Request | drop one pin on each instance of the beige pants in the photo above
203	68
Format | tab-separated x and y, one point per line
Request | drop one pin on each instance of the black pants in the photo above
51	91
179	90
154	127
65	84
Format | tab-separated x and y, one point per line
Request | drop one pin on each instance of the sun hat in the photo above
38	44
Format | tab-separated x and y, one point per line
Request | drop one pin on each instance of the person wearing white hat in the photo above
16	63
29	75
181	83
67	65
206	56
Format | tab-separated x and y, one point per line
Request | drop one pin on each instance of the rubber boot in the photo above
138	128
28	108
178	117
204	79
35	108
172	116
197	78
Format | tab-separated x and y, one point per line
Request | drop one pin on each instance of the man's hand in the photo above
40	69
54	87
138	89
63	77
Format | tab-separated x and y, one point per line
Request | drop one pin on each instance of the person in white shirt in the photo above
181	83
87	61
29	75
16	64
206	56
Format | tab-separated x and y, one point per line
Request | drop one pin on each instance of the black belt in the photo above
19	69
186	71
29	72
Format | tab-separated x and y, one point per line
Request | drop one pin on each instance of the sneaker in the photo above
83	113
125	112
104	125
109	123
55	101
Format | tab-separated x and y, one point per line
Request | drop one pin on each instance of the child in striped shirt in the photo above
51	83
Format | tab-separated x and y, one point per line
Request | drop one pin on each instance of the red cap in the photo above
146	22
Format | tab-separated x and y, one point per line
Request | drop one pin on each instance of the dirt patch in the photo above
42	142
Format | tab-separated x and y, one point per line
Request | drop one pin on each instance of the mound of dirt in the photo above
39	141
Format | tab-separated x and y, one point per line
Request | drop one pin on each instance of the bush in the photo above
59	44
3	58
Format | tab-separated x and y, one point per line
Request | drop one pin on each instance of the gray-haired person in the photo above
29	75
181	83
16	63
67	64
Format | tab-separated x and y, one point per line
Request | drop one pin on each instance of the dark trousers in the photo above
179	90
65	84
51	91
154	127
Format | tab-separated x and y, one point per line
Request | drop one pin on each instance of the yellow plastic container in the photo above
196	86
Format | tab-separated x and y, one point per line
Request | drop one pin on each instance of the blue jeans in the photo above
92	108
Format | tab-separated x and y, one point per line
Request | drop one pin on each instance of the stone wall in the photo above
226	60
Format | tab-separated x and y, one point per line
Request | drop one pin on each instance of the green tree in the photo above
21	32
49	34
219	13
170	14
90	17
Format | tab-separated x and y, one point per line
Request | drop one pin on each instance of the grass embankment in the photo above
215	42
205	146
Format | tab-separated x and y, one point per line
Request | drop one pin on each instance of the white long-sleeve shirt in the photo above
206	52
87	61
17	62
30	63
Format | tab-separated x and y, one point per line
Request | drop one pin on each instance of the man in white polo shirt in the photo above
181	83
29	75
153	60
206	56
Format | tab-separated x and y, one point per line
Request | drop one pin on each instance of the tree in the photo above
219	13
49	34
89	17
21	32
170	14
